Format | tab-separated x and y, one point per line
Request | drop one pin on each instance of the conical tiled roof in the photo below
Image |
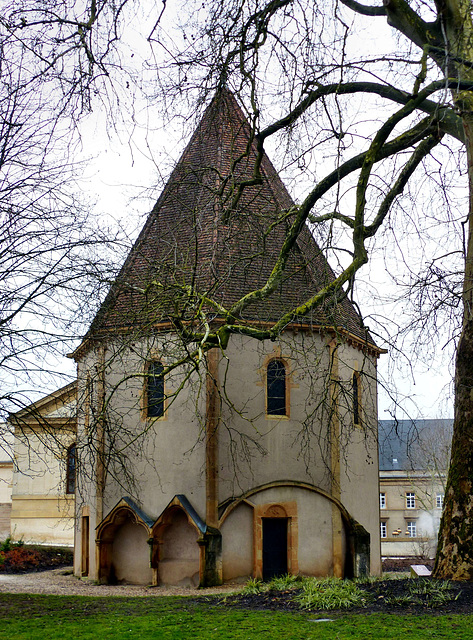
194	241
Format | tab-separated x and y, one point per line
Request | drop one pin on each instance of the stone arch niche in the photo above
123	548
176	558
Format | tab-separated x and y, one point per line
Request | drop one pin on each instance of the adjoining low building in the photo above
6	479
413	464
43	482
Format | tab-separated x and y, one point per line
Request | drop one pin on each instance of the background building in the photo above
413	463
43	483
6	480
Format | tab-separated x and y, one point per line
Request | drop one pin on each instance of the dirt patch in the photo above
386	596
63	582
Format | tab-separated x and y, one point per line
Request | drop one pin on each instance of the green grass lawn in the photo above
33	617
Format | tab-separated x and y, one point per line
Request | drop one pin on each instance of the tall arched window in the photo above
356	390
155	390
71	469
276	403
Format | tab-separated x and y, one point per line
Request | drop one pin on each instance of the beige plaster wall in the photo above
359	473
38	519
168	454
6	478
313	524
426	515
179	553
5	515
256	448
41	512
237	544
314	516
86	480
40	462
298	448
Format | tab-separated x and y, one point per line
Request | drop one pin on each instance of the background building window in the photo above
155	390
383	529
276	404
89	402
439	501
382	501
411	529
410	500
71	469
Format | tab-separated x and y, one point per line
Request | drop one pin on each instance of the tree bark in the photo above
455	547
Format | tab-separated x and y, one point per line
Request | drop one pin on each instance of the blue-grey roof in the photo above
139	512
191	512
414	444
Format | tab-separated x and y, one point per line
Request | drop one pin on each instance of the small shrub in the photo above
22	559
6	544
404	600
330	593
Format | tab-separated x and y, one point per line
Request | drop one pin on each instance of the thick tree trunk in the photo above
449	42
455	548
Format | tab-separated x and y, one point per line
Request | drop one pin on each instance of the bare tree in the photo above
52	62
295	61
293	67
443	32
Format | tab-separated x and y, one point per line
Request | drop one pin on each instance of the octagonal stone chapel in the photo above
256	457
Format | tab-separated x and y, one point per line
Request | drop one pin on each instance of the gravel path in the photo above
62	582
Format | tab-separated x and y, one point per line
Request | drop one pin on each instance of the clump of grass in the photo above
330	593
285	583
253	587
370	579
433	593
279	583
